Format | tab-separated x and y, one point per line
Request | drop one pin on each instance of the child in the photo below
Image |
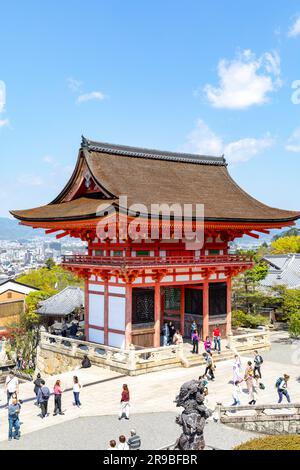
207	344
236	394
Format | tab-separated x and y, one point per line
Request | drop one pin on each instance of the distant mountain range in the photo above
11	230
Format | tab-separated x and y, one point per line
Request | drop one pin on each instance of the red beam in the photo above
253	235
51	230
62	235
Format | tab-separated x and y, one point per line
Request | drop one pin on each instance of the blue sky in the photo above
200	76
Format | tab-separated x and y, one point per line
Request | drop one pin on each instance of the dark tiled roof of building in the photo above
63	303
155	177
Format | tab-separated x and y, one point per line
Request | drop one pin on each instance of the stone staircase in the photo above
198	359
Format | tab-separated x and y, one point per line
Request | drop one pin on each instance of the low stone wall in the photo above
265	419
57	354
258	339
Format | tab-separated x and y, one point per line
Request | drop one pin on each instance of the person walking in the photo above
57	390
43	398
76	391
248	377
122	443
282	385
195	340
134	441
236	394
258	361
237	369
217	339
125	403
14	420
165	333
210	366
207	344
37	386
11	385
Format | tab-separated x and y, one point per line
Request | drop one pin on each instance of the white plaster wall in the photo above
116	340
96	309
96	287
182	278
96	336
116	290
116	313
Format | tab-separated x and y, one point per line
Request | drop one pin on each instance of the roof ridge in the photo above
141	152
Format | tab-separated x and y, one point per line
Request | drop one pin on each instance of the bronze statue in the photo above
192	419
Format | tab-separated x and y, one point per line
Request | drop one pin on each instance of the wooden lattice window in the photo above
172	298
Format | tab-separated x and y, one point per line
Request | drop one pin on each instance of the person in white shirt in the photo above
123	444
76	391
11	385
236	394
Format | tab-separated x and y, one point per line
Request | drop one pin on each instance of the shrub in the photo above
294	325
291	442
246	320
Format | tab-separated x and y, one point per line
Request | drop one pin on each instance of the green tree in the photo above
286	245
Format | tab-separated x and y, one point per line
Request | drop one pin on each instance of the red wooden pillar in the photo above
182	309
86	309
162	305
128	316
157	304
205	328
228	316
106	312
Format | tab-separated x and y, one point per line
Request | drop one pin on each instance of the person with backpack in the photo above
210	366
43	396
14	420
258	361
282	385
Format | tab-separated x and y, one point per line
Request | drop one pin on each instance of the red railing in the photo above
154	260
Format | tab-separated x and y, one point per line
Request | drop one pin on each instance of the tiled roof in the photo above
150	177
63	303
283	270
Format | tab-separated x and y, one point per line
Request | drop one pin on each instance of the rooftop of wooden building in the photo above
104	172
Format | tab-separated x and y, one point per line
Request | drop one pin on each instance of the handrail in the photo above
154	260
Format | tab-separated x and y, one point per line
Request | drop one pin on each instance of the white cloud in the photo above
202	140
293	143
94	95
30	180
4	122
245	81
294	30
74	84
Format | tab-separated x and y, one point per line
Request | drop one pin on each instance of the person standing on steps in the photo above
282	385
249	374
125	403
172	331
195	340
57	390
76	391
258	361
43	398
165	334
217	339
207	344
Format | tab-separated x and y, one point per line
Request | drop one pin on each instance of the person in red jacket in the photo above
125	405
217	339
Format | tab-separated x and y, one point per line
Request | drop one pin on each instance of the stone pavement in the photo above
150	393
156	430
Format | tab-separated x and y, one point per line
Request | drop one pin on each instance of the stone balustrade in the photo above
267	419
57	354
259	339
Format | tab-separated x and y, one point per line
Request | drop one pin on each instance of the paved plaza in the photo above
152	404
